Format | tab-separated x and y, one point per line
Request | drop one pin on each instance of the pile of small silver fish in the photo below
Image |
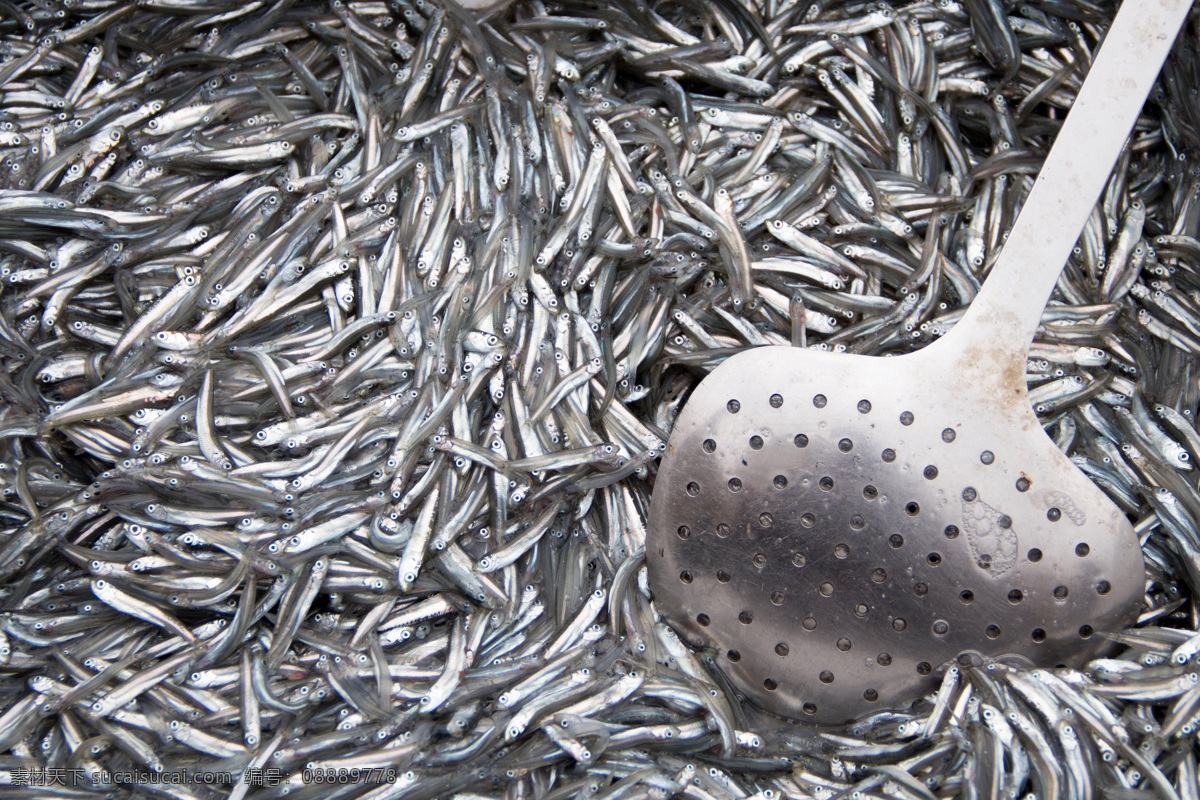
339	344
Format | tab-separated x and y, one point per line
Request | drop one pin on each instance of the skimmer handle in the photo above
1004	316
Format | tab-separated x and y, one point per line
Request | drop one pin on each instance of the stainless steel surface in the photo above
842	528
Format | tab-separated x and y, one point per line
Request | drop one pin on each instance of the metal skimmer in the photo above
840	528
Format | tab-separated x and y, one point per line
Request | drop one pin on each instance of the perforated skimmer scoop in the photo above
840	528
